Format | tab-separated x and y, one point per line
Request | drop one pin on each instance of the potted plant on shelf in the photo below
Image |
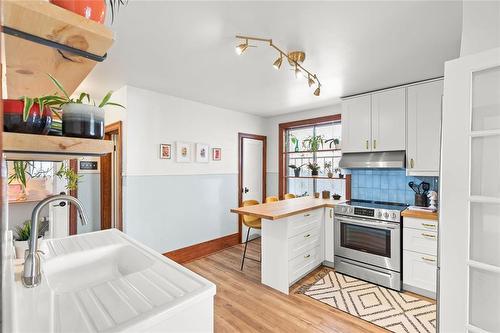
296	169
22	235
81	117
313	143
28	115
328	169
72	178
335	142
295	142
336	196
314	167
94	10
22	172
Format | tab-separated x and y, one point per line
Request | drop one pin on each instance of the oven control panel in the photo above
374	213
370	212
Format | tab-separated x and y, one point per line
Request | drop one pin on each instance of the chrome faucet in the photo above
32	276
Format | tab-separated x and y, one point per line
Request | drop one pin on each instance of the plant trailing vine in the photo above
72	178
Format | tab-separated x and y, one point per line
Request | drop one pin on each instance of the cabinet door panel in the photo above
424	128
356	124
389	120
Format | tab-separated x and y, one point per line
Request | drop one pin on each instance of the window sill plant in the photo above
314	167
328	169
313	143
296	169
21	238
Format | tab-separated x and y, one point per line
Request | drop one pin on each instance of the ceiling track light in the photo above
295	59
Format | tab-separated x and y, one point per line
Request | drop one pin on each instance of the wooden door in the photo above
356	124
389	120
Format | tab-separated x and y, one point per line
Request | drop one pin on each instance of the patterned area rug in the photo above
392	310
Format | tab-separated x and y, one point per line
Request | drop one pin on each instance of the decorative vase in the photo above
37	122
330	175
94	10
296	172
296	146
83	121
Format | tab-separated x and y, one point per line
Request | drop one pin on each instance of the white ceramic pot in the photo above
22	246
83	121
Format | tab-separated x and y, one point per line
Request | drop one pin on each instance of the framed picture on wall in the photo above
216	154
183	152
165	151
202	151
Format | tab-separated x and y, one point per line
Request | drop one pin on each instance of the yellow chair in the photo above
250	222
272	199
290	196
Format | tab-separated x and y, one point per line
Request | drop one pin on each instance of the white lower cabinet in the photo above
291	248
329	227
420	256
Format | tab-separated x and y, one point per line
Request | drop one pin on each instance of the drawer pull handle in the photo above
429	235
331	213
427	225
307	256
306	215
366	144
308	235
428	259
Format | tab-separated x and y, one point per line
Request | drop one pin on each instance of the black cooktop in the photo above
377	204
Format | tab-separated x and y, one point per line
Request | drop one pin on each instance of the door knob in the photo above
245	190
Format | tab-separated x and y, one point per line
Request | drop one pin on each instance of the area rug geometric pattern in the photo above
392	310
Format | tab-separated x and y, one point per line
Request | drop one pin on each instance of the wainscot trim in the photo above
196	251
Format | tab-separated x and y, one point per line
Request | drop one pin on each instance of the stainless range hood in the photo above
377	160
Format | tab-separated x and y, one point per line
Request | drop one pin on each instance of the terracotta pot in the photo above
37	123
94	10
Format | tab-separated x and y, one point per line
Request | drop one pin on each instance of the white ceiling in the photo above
186	49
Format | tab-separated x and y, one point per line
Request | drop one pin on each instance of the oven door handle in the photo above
365	223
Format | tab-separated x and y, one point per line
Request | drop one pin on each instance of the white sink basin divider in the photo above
107	282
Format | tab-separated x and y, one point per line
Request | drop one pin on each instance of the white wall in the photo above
170	205
480	26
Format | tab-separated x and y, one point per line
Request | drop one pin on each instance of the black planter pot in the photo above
296	172
314	172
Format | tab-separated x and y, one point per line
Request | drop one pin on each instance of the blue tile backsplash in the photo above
390	185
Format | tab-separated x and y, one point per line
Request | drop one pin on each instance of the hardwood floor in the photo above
243	304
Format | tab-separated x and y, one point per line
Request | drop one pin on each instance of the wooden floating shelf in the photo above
27	62
32	147
315	177
310	151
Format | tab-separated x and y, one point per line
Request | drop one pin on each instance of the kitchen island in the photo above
297	237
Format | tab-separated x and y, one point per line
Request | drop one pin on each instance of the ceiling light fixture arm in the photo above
282	53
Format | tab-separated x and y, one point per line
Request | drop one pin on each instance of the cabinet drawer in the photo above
304	221
303	264
419	270
423	241
420	224
304	241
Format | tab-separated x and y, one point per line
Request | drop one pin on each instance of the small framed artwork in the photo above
165	151
183	152
216	154
202	153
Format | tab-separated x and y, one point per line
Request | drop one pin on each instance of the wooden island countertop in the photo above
285	208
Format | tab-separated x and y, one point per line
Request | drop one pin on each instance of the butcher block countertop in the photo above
285	208
420	214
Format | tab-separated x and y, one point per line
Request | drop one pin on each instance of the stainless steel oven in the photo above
367	247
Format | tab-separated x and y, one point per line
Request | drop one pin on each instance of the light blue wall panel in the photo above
89	194
171	212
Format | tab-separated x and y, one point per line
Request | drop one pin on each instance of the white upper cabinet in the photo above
356	124
374	122
388	120
424	129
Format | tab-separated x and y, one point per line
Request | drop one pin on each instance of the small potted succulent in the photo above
81	117
296	169
328	169
314	167
313	143
339	172
22	235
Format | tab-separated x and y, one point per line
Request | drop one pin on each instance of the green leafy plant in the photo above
313	166
334	141
59	101
115	7
24	170
71	177
295	142
23	232
313	143
327	166
296	169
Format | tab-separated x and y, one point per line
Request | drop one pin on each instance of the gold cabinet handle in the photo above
367	144
429	235
412	163
307	256
307	236
429	225
428	259
374	144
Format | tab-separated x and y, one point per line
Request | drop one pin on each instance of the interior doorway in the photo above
252	153
111	180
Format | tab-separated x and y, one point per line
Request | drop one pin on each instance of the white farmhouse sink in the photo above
107	282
